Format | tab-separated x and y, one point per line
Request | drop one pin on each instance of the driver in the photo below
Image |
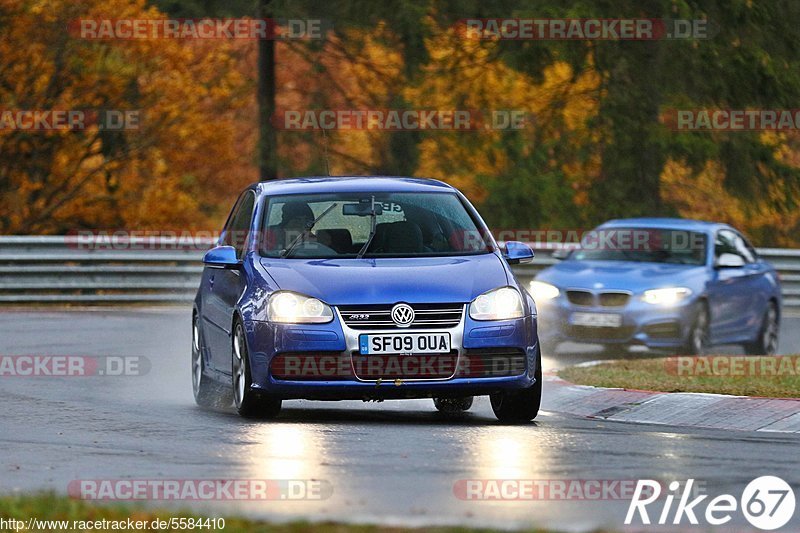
295	217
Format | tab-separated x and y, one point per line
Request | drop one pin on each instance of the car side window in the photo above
725	243
748	252
239	225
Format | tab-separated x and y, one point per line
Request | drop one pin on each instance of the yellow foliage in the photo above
703	196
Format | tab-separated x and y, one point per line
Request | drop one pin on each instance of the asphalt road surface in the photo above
392	462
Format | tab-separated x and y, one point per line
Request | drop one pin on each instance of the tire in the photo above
698	341
767	341
453	405
248	403
207	393
520	406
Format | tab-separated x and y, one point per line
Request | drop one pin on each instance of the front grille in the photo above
606	299
492	362
414	366
426	316
614	299
584	298
590	333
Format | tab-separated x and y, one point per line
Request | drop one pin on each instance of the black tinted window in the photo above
406	225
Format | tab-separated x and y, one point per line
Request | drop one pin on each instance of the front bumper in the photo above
334	373
654	326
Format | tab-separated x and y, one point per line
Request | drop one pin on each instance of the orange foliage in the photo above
181	169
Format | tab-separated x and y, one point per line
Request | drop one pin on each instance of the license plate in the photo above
404	343
598	320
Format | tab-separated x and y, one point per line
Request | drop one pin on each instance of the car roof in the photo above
332	184
665	223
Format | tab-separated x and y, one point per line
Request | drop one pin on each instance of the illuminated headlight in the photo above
667	296
498	304
543	291
292	308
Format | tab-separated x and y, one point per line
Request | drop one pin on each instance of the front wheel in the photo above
698	341
207	393
248	403
767	341
520	406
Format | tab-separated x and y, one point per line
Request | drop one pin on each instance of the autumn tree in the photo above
180	168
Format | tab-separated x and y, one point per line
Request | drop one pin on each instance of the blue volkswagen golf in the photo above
668	284
363	288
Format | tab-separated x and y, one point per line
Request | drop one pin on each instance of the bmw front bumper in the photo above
654	326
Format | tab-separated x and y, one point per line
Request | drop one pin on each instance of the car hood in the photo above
622	275
365	281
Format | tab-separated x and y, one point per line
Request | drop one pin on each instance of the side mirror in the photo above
222	257
560	254
517	252
729	261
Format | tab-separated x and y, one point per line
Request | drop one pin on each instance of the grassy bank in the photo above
775	377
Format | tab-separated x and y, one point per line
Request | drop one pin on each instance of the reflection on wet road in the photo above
393	462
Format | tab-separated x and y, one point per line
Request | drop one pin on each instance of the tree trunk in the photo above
268	141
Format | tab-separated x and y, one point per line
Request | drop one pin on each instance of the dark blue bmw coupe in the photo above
365	288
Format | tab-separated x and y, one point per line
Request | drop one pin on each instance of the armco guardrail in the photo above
50	269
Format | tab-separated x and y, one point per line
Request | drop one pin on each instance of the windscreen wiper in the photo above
305	232
373	227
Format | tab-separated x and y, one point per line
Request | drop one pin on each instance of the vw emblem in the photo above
402	315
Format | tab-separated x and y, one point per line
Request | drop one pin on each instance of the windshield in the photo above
650	245
405	225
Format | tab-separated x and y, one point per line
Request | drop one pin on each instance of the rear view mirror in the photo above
729	261
222	257
361	209
517	252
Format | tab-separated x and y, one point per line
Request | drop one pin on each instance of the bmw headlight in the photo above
666	296
498	304
292	308
542	291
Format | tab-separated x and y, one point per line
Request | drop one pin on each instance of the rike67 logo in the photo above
767	502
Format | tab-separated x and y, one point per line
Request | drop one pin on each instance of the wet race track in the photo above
393	462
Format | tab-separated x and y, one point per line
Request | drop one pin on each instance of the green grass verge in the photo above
49	506
774	377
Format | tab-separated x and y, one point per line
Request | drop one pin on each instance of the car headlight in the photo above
292	308
543	291
498	304
666	296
